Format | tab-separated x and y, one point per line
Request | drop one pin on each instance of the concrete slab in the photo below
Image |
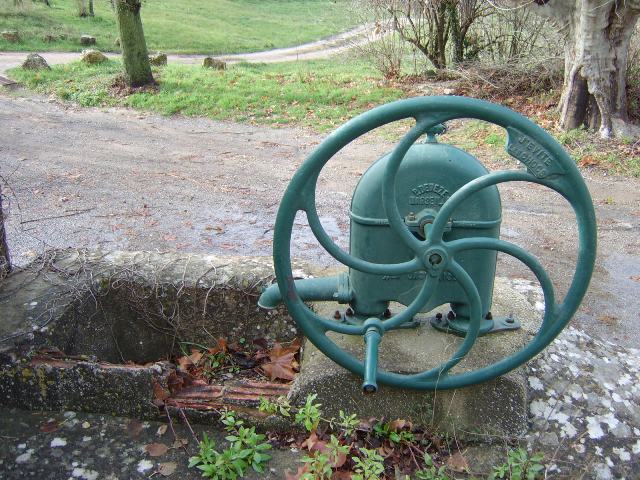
495	407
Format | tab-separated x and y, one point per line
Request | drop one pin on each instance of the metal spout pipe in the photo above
310	289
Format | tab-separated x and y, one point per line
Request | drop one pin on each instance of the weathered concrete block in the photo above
158	60
87	40
210	62
35	62
498	406
93	57
11	36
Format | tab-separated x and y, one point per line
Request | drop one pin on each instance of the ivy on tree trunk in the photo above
134	47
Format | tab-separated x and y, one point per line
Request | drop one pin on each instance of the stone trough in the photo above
95	331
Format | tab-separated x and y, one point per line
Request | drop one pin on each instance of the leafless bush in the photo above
509	79
506	35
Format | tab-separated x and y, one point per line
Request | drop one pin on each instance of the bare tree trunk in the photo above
598	36
134	47
82	8
91	14
5	261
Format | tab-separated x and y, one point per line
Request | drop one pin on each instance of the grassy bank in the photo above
179	26
318	94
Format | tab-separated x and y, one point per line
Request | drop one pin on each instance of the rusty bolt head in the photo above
349	312
438	316
510	319
488	316
451	315
387	313
337	315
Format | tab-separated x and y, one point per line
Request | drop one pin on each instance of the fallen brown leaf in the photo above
156	449
458	463
162	429
49	426
166	469
134	427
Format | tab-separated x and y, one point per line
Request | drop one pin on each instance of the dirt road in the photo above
309	51
119	179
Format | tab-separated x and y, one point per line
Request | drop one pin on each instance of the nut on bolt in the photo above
337	315
349	312
387	313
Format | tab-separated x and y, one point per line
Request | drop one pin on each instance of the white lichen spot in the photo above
58	442
616	398
622	453
21	446
539	409
86	439
610	420
84	474
599	451
624	379
535	383
609	461
559	417
144	465
579	448
594	429
608	386
568	430
25	457
606	403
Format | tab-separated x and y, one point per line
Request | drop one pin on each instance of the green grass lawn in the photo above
320	94
180	26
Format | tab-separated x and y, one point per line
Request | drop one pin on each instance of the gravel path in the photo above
119	179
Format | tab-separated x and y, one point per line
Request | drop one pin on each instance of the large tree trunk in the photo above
598	35
82	8
5	262
134	48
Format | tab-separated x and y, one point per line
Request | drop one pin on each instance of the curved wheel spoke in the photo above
425	293
450	206
349	260
487	243
389	187
475	305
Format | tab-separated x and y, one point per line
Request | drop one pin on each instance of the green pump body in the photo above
429	174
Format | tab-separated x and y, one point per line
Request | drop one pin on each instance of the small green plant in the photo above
229	420
247	450
320	464
402	437
382	429
309	414
519	466
280	406
369	467
431	472
495	139
348	423
318	467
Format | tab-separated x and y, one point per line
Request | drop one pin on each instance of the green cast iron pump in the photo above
425	224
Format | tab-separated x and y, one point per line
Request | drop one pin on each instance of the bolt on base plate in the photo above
459	326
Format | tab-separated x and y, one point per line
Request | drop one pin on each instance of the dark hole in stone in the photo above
141	323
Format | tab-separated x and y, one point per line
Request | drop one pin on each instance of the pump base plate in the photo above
459	326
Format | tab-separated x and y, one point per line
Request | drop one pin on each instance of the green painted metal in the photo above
433	252
430	173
